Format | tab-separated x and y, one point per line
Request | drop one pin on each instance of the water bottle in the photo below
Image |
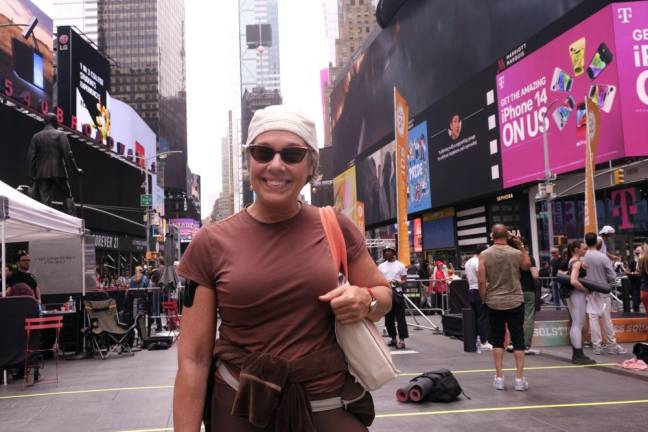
70	305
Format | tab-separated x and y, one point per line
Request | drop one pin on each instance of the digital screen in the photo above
38	71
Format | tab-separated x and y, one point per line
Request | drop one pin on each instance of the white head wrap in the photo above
280	117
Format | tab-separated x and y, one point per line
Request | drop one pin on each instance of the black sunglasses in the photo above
290	155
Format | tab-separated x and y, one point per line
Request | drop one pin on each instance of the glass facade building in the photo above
145	38
260	67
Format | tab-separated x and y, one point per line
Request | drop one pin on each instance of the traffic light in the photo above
618	176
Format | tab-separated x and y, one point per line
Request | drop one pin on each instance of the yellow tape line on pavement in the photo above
75	392
405	374
514	408
528	368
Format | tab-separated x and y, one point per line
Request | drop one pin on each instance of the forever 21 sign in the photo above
106	242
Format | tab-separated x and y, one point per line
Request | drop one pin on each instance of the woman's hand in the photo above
349	303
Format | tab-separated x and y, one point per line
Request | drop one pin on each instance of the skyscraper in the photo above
81	14
146	40
259	44
260	70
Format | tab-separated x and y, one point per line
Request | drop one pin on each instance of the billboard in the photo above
187	228
377	184
344	193
463	142
26	65
83	83
361	100
598	59
418	164
132	135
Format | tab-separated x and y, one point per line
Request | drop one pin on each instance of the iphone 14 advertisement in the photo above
28	67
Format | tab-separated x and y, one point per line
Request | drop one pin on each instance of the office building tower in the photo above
259	44
81	14
145	38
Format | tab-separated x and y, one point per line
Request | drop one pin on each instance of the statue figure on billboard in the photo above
49	160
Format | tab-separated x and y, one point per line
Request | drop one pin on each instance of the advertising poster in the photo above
377	184
548	89
417	235
186	228
593	121
26	65
631	32
463	142
418	164
401	123
344	193
83	80
133	137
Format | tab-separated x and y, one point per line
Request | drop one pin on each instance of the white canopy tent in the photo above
24	219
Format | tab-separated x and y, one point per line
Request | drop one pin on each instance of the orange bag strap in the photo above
335	238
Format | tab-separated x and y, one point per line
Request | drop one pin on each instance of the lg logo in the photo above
624	14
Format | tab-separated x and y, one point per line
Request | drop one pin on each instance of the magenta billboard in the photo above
548	89
187	228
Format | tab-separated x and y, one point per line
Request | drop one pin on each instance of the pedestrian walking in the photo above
599	305
501	290
268	272
554	263
576	301
481	316
396	274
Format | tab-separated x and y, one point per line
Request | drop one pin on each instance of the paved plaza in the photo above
135	394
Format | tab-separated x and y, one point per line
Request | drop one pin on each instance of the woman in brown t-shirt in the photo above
286	306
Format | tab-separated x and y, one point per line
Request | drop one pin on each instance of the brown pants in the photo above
336	420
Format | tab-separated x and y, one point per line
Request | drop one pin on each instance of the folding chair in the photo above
33	359
108	335
170	310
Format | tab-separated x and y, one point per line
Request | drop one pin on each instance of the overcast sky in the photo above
212	74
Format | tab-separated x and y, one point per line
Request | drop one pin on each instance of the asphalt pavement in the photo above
134	394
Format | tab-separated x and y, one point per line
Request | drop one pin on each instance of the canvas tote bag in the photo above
366	352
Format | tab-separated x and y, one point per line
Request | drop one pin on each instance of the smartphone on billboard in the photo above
603	96
577	54
562	113
581	124
561	81
28	64
602	58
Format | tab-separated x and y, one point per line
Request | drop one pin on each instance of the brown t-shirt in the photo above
504	289
267	278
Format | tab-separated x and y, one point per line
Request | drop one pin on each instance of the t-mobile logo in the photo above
500	82
625	14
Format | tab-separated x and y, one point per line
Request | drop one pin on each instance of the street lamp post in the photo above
548	194
145	170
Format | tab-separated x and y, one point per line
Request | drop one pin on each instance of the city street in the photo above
135	394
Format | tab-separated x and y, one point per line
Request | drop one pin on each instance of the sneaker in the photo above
587	344
598	349
391	343
521	384
531	351
486	346
498	383
400	345
616	349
